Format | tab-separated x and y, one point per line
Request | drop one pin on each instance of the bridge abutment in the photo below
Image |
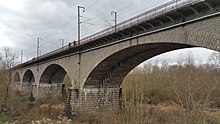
94	99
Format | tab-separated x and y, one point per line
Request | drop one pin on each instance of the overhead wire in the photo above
43	44
121	11
61	27
64	25
56	30
67	23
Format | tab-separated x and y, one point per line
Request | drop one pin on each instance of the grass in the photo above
214	114
5	117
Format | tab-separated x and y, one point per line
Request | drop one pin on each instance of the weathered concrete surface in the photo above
130	53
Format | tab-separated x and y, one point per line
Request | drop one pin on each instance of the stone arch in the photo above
28	77
27	81
17	78
16	81
53	73
52	81
111	71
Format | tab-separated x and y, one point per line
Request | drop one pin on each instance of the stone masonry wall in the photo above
52	90
96	99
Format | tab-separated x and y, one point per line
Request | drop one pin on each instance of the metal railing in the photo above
150	14
143	17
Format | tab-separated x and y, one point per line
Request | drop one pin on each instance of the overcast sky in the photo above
22	21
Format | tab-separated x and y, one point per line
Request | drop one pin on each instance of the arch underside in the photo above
53	74
54	81
16	77
112	70
27	81
28	77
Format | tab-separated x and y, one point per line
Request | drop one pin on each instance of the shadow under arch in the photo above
112	70
16	78
16	82
27	81
54	81
28	77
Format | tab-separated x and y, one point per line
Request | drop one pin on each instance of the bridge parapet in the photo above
148	15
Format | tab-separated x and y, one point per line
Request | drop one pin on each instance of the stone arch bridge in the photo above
98	64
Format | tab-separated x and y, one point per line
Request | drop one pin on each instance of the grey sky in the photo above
22	21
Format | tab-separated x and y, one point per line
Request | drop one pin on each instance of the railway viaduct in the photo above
98	64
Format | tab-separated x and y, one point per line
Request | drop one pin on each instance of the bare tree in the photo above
192	90
0	59
8	63
214	60
0	56
9	57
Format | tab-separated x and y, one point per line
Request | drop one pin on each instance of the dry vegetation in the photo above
183	94
177	94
